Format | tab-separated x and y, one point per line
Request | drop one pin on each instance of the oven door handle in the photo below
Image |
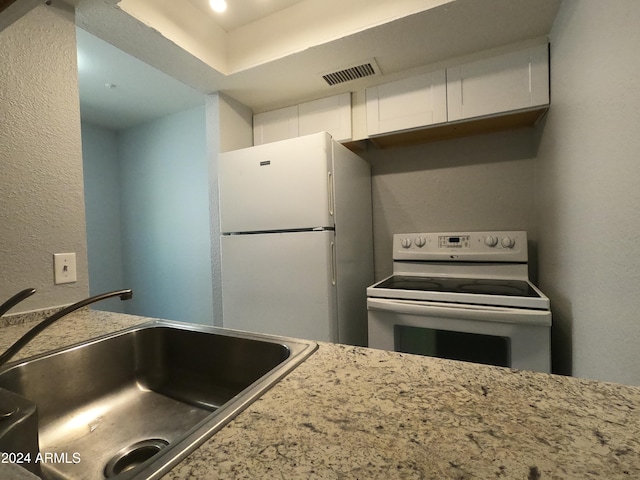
466	312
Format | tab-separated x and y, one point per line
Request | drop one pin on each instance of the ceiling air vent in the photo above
353	72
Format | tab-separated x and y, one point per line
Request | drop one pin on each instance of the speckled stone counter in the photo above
356	413
73	328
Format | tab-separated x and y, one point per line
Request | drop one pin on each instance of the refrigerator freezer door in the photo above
281	284
277	186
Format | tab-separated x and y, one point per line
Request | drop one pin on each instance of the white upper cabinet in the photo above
503	83
331	114
481	91
409	103
275	125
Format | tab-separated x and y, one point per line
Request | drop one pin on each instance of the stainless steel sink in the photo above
134	403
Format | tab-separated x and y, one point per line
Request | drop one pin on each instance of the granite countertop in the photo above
357	413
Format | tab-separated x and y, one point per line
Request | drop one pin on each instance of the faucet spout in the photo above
27	337
16	299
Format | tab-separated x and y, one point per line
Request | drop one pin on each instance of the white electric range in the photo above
464	296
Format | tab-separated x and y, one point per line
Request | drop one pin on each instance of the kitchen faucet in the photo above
27	337
16	299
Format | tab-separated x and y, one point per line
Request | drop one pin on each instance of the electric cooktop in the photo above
510	288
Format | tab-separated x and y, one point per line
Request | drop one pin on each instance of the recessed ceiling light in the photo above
218	5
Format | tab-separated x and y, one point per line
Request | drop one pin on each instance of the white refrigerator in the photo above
296	246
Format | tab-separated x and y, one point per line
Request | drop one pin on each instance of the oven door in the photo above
509	337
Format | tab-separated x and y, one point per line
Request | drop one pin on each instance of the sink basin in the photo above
132	404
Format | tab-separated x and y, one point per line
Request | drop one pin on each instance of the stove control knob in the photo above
508	242
491	241
406	242
420	242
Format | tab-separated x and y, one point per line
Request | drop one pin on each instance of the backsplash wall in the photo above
482	182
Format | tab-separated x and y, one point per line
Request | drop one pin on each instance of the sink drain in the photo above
130	457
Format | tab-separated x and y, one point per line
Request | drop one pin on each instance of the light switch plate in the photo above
64	268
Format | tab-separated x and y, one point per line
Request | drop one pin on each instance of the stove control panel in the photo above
455	241
494	246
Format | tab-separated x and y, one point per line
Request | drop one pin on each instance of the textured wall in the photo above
41	189
229	127
213	150
476	183
588	194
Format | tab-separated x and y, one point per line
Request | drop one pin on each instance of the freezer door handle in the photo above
330	190
467	312
333	263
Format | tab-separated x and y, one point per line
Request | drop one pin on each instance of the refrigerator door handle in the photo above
330	189
333	263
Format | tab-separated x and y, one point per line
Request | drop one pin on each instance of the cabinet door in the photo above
275	125
507	82
331	114
409	103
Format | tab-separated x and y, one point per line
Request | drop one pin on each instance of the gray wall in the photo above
149	226
102	203
41	196
587	190
166	239
148	217
229	127
477	183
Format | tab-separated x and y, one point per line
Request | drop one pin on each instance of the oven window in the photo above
468	347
